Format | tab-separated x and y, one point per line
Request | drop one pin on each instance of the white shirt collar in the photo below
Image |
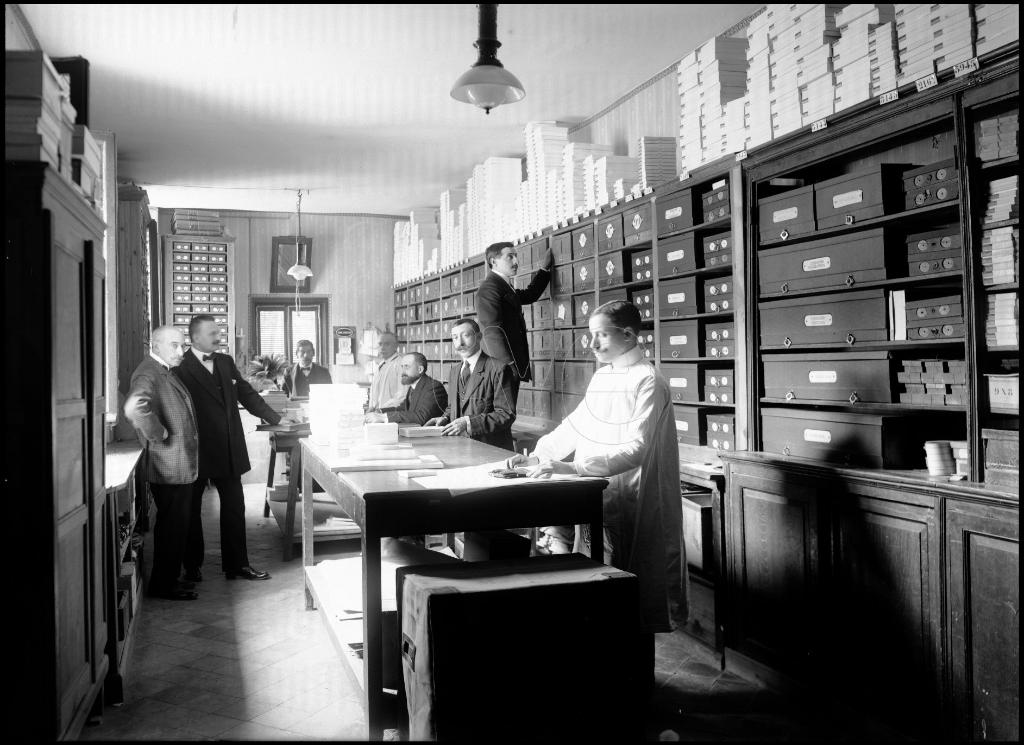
631	357
510	280
472	360
199	355
384	362
160	361
413	384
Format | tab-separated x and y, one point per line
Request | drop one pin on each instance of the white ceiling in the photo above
238	106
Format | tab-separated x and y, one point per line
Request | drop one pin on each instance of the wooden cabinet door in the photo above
885	649
773	528
983	570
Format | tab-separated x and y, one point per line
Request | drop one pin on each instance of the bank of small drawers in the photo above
199	284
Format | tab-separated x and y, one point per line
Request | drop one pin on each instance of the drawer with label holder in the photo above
675	212
786	215
643	299
641	266
842	377
561	280
636	225
927	311
717	294
685	381
609	233
609	268
581	339
561	343
676	255
583	276
679	297
934	263
855	197
691	424
583	242
201	278
563	313
718	385
715	203
648	344
838	262
931	184
583	306
561	247
680	340
721	431
849	318
717	249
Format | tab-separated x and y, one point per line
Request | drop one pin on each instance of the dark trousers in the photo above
170	534
233	552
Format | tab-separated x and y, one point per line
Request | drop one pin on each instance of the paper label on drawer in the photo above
682	426
822	376
817	435
816	265
822	319
848	197
561	312
675	255
677	341
677	382
677	297
673	213
789	213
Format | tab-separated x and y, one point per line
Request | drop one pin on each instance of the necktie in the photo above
207	358
463	376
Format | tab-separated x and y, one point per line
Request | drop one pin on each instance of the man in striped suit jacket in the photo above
160	408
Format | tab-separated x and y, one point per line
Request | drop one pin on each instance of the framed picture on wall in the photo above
287	251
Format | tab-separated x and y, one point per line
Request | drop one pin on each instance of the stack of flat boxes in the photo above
1002	320
864	56
801	67
932	38
934	251
709	78
86	164
490	202
545	142
996	26
199	284
403	267
998	137
575	185
426	239
453	229
931	184
1003	203
614	175
39	119
935	318
658	159
933	382
757	123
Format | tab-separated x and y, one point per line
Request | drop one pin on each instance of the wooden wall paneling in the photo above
983	572
132	293
239	286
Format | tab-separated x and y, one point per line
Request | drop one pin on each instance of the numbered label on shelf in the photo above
686	174
741	155
819	125
575	219
629	197
967	66
929	81
889	97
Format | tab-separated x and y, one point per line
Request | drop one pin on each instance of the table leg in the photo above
373	674
307	533
293	489
597	537
270	475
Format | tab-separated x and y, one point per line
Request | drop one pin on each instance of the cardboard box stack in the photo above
404	268
39	119
998	137
610	169
995	25
709	78
425	237
1002	319
490	202
864	56
658	160
574	182
800	65
1003	199
453	228
933	382
545	142
932	38
1000	255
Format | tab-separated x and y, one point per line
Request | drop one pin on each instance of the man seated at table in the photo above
481	392
624	430
425	398
305	372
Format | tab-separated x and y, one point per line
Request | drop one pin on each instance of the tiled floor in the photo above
247	662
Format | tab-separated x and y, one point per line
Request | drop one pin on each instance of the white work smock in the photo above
624	430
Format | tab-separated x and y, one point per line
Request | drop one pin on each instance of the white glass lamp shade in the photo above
488	86
300	272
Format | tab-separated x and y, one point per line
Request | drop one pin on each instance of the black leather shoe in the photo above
186	585
193	575
247	573
176	595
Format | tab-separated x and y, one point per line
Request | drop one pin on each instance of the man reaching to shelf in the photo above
160	408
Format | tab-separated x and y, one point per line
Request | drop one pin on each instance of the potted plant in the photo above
266	372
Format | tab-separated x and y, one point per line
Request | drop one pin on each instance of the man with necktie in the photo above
386	389
160	408
481	392
305	372
425	398
217	388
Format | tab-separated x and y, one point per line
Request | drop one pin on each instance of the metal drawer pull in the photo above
787	342
790	395
854	398
785	286
850	280
850	339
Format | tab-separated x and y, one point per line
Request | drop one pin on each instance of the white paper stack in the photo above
1000	258
336	413
801	61
574	183
554	202
425	238
709	78
1003	203
1002	319
996	26
658	159
932	37
607	170
757	123
197	222
404	269
452	245
864	56
490	198
545	142
38	116
998	137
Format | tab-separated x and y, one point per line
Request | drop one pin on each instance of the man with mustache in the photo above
425	397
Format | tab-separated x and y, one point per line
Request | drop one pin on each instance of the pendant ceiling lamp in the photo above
487	83
299	271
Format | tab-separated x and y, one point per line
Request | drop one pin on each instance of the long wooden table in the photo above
384	504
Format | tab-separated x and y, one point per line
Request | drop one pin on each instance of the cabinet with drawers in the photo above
199	274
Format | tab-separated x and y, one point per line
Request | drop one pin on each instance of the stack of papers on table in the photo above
478	478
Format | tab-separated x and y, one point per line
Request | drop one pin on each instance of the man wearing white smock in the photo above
624	430
386	389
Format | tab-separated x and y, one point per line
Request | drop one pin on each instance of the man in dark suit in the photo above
426	398
481	402
305	372
217	388
499	308
160	408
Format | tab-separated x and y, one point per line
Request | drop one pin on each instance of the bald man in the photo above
386	389
161	410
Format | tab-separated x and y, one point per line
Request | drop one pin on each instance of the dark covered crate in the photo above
841	377
843	319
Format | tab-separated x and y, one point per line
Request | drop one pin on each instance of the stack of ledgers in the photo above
710	79
1003	203
197	222
609	169
425	238
541	193
39	119
490	202
1000	257
1002	320
932	38
864	56
998	137
575	185
995	26
453	227
657	160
